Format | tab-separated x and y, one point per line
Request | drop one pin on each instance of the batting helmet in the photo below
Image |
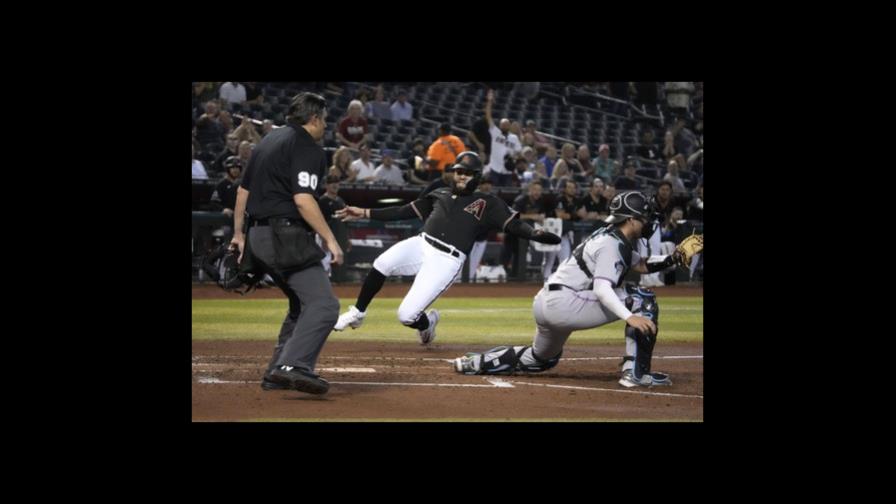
469	160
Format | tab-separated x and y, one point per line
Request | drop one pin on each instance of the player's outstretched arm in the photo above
409	211
523	230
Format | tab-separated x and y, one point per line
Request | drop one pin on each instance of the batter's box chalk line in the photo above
493	383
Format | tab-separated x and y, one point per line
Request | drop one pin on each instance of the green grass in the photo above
464	320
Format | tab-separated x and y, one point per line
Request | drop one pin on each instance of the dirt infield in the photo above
211	291
387	381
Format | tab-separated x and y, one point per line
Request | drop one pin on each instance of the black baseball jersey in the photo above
571	207
458	219
329	205
599	206
524	205
435	184
225	193
286	162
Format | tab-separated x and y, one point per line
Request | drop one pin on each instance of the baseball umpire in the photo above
278	195
587	291
453	217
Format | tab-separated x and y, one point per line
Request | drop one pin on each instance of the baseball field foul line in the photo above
216	381
494	383
575	387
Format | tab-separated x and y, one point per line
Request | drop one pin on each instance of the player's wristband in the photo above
667	262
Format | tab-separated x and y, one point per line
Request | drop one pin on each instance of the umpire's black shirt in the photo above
286	162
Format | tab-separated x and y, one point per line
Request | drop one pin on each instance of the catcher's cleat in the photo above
352	317
660	379
648	380
428	335
466	364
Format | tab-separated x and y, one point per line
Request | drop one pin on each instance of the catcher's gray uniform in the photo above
571	300
586	291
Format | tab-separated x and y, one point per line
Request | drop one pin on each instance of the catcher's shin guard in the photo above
498	360
641	302
504	360
532	363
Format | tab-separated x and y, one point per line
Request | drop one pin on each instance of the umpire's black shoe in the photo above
268	384
300	380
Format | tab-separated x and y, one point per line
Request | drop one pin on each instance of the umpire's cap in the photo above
627	205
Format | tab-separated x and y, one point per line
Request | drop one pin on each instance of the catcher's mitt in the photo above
687	249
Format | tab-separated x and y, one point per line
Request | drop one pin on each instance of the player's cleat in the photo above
428	335
652	379
466	364
352	317
303	381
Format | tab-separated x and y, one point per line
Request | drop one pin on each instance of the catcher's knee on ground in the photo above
505	360
638	344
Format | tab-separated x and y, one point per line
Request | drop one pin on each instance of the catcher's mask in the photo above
633	205
469	162
222	266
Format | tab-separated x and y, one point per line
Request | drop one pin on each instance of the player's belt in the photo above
441	247
556	287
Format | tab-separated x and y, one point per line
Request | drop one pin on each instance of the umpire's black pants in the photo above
313	308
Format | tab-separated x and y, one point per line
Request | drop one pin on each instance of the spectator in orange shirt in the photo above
444	150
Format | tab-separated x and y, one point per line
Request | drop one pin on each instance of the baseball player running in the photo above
453	216
587	291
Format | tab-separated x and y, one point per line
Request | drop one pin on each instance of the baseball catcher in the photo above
587	291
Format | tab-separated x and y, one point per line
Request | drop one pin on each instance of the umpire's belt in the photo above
270	220
441	247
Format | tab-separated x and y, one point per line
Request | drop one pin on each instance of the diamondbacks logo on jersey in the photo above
476	208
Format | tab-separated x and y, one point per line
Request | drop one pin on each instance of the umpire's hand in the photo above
336	251
238	242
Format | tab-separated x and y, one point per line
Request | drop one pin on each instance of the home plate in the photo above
499	383
348	369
